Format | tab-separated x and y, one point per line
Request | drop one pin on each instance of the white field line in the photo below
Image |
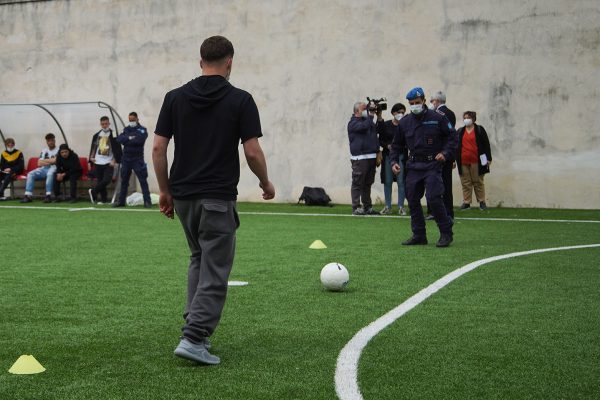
129	209
346	371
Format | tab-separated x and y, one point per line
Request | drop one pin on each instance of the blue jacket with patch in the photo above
133	139
425	135
362	134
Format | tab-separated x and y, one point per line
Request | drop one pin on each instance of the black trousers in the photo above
448	199
72	178
104	174
6	179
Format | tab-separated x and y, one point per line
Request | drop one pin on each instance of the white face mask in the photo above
11	148
468	121
365	113
132	124
432	107
398	116
416	108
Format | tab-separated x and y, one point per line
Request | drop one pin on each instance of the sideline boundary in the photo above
284	214
346	370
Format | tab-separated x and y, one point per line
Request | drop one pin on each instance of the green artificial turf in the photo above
97	297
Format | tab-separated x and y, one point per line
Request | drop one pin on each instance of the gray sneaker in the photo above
195	352
402	211
358	211
386	210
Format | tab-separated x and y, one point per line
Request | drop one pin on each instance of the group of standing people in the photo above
419	151
61	164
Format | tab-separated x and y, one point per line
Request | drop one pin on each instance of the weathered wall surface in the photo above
529	68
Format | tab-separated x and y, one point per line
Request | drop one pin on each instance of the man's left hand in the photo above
165	204
440	157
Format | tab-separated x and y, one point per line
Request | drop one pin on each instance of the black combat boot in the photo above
415	240
445	240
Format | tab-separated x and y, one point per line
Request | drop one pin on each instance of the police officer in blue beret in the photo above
431	140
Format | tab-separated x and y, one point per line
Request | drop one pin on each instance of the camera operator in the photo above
364	146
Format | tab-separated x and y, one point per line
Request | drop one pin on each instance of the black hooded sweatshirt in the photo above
208	117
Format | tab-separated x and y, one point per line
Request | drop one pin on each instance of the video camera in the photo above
376	105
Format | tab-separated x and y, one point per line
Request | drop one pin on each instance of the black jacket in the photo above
114	146
448	113
483	147
69	165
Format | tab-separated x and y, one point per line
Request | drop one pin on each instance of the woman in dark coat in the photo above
473	159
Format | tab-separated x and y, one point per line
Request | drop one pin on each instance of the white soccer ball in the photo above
335	277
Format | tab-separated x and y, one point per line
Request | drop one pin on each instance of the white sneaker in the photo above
385	210
402	211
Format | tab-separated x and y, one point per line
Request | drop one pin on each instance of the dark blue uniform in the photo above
425	135
133	139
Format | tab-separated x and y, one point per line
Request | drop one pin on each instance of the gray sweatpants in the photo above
209	226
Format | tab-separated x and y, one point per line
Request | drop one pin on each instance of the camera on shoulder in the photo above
376	105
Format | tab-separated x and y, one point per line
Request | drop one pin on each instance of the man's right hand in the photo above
396	169
268	190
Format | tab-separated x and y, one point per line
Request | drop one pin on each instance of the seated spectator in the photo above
69	169
45	170
11	165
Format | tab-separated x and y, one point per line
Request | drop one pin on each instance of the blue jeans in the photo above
389	180
38	174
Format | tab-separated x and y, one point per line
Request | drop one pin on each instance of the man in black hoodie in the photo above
207	117
68	168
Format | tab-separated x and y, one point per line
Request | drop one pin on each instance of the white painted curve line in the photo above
346	370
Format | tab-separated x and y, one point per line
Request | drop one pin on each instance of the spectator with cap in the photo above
364	146
11	165
438	103
431	140
133	138
474	158
45	171
68	168
386	131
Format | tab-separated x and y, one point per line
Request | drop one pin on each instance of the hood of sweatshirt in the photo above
207	90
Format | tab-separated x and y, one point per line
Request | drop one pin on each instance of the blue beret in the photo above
414	93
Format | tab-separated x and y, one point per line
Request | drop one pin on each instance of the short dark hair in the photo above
50	136
397	107
9	140
216	48
471	114
133	114
104	118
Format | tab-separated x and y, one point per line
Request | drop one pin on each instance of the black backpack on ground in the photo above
315	196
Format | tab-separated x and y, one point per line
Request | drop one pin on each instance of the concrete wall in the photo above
530	68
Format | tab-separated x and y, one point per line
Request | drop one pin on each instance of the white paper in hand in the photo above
483	159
